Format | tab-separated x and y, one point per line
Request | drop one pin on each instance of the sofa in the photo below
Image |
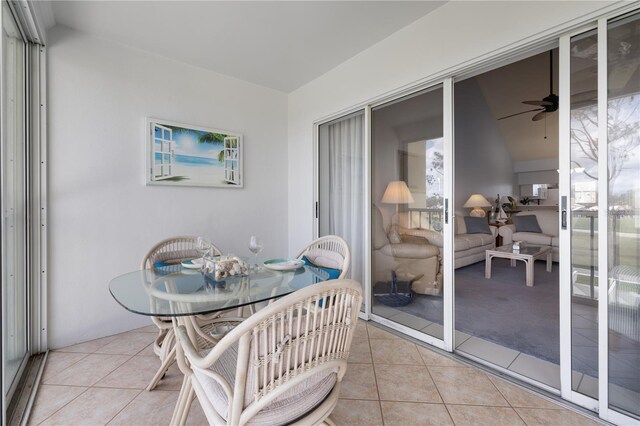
468	248
413	259
548	221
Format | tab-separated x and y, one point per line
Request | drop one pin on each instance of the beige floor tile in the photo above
518	397
385	351
538	416
50	399
97	406
196	415
466	386
415	414
147	329
88	370
148	408
489	351
474	415
430	357
90	346
148	351
355	413
537	369
136	373
360	352
60	361
378	333
359	382
361	330
172	380
127	344
410	383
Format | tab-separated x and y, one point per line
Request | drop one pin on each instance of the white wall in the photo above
483	164
102	217
453	34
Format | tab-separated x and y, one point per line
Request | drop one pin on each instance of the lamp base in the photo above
477	212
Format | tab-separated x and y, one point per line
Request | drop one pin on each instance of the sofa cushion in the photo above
460	243
532	238
413	239
477	225
410	251
476	240
526	223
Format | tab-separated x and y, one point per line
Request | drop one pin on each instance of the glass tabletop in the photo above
530	250
169	292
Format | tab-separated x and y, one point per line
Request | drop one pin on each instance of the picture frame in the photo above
181	154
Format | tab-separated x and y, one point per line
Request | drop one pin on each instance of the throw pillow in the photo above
394	235
333	273
526	223
477	225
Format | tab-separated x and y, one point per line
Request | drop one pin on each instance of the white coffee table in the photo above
527	254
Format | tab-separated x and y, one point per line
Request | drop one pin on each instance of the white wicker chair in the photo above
330	251
282	365
170	251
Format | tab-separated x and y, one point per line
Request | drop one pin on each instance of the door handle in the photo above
446	210
563	206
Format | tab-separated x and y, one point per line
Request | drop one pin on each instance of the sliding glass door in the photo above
409	213
14	204
601	218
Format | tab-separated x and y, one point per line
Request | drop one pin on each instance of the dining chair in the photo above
282	365
168	254
330	253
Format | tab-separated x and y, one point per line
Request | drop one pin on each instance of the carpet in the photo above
503	310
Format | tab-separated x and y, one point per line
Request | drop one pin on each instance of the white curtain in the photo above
346	187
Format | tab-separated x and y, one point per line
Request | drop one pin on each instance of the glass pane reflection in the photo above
623	123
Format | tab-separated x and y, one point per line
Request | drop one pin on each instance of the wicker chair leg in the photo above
166	363
179	411
328	422
187	407
168	345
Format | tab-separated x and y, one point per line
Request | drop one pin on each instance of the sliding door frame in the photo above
601	404
494	59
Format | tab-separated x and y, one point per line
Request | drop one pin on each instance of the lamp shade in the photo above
397	192
477	201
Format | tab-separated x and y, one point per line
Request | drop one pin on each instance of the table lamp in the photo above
397	193
476	202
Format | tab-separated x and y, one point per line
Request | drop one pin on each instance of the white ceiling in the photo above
281	45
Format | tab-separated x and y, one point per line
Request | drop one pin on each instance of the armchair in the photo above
413	259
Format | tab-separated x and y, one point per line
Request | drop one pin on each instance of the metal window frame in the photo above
35	112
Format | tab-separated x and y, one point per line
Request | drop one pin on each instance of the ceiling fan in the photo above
547	105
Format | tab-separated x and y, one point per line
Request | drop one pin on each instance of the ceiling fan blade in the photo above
539	116
540	103
518	113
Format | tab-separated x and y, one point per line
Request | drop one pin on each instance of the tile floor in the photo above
390	381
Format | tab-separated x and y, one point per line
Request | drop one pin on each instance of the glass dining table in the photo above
182	295
174	291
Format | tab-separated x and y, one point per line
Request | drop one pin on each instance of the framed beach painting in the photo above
185	155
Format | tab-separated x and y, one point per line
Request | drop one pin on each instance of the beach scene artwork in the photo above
185	155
